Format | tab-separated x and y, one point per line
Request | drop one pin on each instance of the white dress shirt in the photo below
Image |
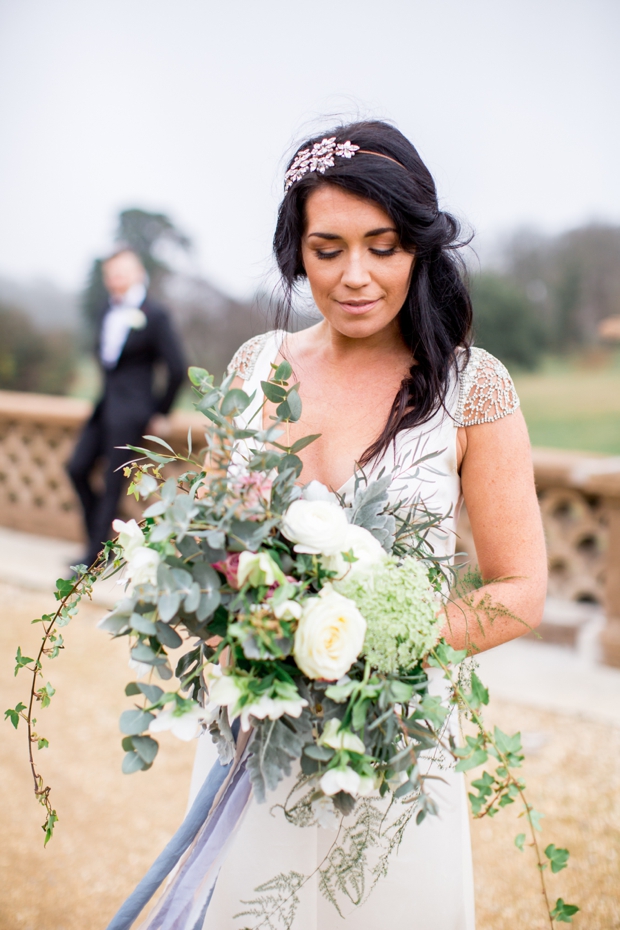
117	323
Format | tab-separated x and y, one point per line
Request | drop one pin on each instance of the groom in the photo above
134	334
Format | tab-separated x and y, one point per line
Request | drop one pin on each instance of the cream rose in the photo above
317	527
367	550
329	637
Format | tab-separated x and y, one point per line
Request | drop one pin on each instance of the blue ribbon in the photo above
168	859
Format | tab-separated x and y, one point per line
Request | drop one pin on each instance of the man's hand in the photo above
159	425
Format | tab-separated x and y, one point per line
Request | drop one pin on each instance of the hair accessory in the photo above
319	158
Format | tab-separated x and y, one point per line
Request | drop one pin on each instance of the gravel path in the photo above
112	826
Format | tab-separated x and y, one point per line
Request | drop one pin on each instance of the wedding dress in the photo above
379	869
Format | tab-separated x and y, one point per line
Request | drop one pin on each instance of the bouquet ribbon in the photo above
192	859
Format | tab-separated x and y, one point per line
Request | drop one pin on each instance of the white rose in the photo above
336	738
142	566
329	637
317	527
130	536
367	550
340	779
259	569
183	724
315	491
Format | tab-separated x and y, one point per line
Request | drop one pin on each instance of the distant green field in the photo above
574	404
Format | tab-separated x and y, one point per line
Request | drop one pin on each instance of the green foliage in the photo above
21	661
558	858
275	744
506	322
14	713
563	913
33	359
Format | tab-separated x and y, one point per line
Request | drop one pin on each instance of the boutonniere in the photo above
137	318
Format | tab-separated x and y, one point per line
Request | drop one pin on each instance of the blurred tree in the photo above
573	278
506	322
151	236
32	360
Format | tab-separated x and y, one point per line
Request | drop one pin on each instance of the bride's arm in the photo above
498	487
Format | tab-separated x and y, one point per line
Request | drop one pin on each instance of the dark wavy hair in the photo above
436	317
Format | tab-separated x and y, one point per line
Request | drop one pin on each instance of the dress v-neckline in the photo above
278	339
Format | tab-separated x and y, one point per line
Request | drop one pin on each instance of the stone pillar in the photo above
610	636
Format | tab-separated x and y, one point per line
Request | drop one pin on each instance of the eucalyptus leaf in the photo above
141	624
156	509
167	636
273	392
207	401
151	692
294	404
283	372
134	722
302	443
143	653
192	600
291	461
234	402
114	623
168	605
132	763
146	747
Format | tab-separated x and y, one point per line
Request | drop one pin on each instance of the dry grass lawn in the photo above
112	826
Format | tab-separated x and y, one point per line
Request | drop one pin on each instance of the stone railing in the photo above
579	498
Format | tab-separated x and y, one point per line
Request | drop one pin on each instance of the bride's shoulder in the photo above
486	391
244	360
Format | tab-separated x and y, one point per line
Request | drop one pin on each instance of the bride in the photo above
387	376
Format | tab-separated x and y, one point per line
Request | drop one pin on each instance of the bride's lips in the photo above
357	307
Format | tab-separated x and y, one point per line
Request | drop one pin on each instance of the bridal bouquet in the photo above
308	625
310	621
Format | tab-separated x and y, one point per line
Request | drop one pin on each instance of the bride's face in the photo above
358	272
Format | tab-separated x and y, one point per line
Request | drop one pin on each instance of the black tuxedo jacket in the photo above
128	392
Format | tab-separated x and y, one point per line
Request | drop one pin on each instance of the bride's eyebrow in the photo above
373	232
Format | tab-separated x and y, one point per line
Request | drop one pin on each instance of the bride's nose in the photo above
355	273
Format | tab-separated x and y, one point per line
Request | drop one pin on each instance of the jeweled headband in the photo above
322	156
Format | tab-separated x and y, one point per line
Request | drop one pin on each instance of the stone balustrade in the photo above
579	497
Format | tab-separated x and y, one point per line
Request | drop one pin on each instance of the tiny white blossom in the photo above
288	610
130	536
340	779
182	725
337	738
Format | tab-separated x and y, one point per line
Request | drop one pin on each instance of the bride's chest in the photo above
348	415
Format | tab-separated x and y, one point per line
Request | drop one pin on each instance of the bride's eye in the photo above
384	252
321	254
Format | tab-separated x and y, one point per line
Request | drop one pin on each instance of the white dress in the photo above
425	881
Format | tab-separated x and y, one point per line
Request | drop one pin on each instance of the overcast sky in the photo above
188	107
